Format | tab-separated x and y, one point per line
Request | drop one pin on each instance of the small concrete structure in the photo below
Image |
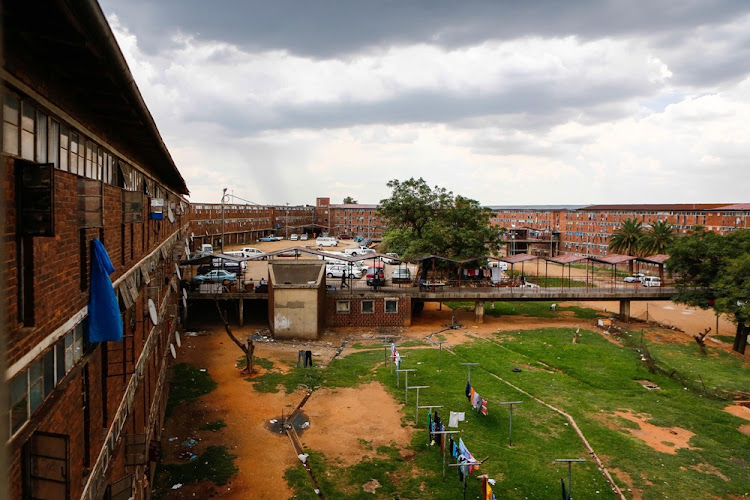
625	311
296	299
479	311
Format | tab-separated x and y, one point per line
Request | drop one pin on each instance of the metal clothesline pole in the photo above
417	387
406	376
440	353
469	365
510	427
444	447
429	407
570	472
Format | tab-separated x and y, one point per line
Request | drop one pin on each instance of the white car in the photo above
392	258
339	270
248	252
326	241
294	237
303	237
635	278
352	252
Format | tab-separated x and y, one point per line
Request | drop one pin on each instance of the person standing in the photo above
343	280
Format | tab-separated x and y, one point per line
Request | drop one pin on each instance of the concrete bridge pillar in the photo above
479	311
625	310
242	312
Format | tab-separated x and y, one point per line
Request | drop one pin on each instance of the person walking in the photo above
343	280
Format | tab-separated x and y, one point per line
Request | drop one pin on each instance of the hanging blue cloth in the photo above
105	323
468	389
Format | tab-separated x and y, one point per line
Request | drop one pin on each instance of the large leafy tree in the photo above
713	271
425	221
657	238
350	201
627	238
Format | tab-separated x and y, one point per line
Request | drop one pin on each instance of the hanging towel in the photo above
105	323
398	361
477	401
471	397
468	390
453	419
484	407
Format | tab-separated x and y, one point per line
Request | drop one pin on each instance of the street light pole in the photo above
223	197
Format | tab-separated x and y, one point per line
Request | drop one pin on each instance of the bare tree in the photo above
248	349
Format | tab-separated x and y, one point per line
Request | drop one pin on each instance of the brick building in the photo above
82	159
354	219
247	223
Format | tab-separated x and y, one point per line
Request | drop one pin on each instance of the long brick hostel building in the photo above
83	161
248	222
349	219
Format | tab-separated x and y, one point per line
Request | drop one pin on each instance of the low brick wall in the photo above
336	315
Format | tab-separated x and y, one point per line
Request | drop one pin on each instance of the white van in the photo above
326	241
499	264
207	248
338	270
651	281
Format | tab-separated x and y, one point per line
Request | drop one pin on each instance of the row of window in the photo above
390	306
30	387
32	134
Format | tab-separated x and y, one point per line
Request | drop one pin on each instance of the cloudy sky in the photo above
507	102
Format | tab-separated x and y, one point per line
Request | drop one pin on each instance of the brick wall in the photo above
379	317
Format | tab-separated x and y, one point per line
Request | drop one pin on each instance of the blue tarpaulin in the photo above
105	323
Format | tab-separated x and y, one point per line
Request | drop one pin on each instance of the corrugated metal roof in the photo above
613	259
534	207
355	206
567	258
654	259
736	206
521	257
674	207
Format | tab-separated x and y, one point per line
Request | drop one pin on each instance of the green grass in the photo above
262	362
590	380
727	339
535	309
215	464
188	382
214	426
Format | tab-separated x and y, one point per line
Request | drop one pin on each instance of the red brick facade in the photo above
378	317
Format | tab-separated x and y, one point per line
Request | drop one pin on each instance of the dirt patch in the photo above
739	411
709	469
351	423
664	439
745	429
623	476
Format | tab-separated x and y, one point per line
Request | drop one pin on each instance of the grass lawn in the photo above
590	380
188	383
535	309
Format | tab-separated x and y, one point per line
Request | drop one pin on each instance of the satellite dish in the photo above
192	235
177	338
170	214
177	268
184	302
187	253
152	312
171	349
187	243
184	293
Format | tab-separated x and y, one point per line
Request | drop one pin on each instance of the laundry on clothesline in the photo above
477	402
455	418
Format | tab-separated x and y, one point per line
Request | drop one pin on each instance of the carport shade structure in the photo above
515	259
567	259
613	260
659	260
460	263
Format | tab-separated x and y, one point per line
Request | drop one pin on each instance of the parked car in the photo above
650	281
267	238
207	248
215	276
294	237
303	237
635	278
338	270
248	252
358	238
392	258
375	276
326	241
358	251
401	274
344	237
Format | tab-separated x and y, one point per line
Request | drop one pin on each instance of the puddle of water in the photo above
300	423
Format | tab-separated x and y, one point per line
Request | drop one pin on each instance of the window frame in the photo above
386	302
340	309
371	302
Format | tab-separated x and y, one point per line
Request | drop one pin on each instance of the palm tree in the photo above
627	239
658	238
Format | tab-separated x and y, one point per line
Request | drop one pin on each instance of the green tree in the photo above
627	239
657	238
432	221
713	271
350	201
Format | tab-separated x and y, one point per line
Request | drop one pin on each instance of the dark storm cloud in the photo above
328	28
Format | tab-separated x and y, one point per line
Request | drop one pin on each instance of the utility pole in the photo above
286	222
223	197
